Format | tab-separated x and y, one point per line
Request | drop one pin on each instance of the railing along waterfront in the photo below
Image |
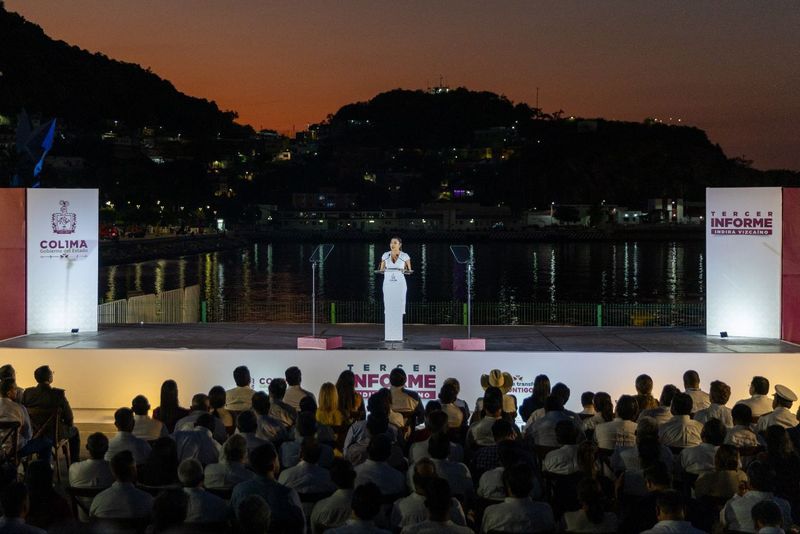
455	313
170	307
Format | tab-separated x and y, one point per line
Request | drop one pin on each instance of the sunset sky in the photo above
731	68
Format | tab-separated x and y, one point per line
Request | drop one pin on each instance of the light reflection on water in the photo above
506	273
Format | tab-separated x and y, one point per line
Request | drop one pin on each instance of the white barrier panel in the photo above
62	260
109	379
743	259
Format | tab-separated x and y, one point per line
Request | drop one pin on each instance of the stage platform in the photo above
238	336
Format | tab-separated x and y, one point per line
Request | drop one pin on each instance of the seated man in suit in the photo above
46	399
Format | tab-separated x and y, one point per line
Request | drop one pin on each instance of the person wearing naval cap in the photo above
781	414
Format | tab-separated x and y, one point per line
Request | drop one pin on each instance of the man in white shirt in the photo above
307	476
201	405
247	427
719	393
456	473
435	423
564	460
691	384
621	431
269	428
203	507
662	413
742	434
681	430
230	470
543	430
295	393
146	427
377	470
277	408
736	515
94	472
238	399
700	458
492	484
334	511
405	401
125	440
12	411
439	503
16	504
671	515
519	513
411	510
306	428
480	432
759	401
366	505
198	443
781	414
122	500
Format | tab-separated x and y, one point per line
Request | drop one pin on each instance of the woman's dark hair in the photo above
399	240
448	394
216	398
590	495
169	406
541	388
603	405
346	390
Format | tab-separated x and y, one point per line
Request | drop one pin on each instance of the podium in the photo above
394	302
463	255
313	342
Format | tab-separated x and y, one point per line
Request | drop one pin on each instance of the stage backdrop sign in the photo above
62	260
743	260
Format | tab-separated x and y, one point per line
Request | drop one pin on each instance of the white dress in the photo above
394	296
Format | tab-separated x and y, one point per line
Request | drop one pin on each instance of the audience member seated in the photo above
170	411
480	432
727	477
491	485
169	511
543	430
671	515
592	516
564	460
644	393
560	391
680	431
278	409
217	402
12	411
305	429
405	401
238	399
781	458
737	516
456	416
486	458
742	434
621	431
376	469
325	433
378	403
269	428
295	393
376	424
603	412
122	500
125	440
94	472
632	462
700	458
719	394
16	503
48	509
366	503
439	504
759	402
456	473
307	476
587	405
286	511
144	426
7	372
503	381
333	511
230	470
202	406
247	427
663	412
351	403
328	412
254	515
411	510
436	423
460	403
641	514
518	513
161	467
421	434
781	414
767	518
203	507
691	384
198	443
47	399
541	390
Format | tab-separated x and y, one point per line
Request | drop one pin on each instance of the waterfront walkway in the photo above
274	336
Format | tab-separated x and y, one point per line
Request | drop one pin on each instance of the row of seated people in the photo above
571	471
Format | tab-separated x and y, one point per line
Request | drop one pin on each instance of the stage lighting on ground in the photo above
723	334
74	330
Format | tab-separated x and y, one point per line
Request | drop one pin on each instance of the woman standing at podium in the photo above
393	265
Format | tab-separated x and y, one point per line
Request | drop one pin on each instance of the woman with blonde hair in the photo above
328	412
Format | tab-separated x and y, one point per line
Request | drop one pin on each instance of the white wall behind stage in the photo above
108	379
